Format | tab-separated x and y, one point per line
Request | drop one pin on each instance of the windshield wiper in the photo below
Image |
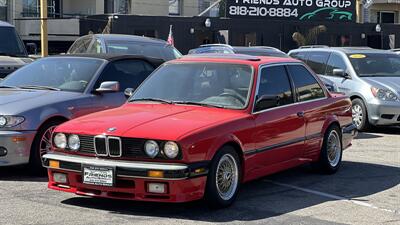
7	86
39	87
9	54
151	100
199	104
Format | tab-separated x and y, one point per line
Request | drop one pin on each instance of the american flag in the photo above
171	40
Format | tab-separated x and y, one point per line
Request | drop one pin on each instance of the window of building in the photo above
174	7
117	6
306	85
31	8
3	10
274	81
386	17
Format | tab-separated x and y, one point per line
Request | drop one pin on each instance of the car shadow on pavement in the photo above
378	132
265	197
21	173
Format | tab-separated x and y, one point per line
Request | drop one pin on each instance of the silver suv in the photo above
369	76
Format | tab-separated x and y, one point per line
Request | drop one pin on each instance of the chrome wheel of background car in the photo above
227	177
357	115
45	141
334	148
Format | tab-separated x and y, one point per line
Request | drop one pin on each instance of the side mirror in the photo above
129	92
341	73
267	102
31	48
108	87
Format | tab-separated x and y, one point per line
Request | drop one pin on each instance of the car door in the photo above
279	131
130	73
337	61
312	104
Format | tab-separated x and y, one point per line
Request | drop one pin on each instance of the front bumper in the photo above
381	114
349	132
17	145
184	182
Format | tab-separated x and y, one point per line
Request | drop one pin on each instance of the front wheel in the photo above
223	179
360	115
331	152
41	145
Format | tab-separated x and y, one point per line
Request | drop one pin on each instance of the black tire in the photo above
325	164
35	159
212	195
362	125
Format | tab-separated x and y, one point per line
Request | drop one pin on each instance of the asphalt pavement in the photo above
366	190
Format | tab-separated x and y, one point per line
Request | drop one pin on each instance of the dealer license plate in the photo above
101	176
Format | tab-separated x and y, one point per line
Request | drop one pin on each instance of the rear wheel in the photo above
331	152
42	144
223	179
360	115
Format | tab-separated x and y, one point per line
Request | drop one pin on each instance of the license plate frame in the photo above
103	175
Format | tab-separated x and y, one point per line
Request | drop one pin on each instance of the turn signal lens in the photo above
54	164
155	174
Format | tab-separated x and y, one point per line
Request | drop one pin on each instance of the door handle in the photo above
300	114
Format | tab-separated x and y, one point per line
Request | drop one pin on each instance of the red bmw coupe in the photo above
199	127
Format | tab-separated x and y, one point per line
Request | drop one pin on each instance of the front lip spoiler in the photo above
131	169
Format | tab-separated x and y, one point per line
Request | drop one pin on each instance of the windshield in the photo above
10	44
159	51
208	84
63	73
376	64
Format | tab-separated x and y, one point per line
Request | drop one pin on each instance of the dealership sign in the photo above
303	10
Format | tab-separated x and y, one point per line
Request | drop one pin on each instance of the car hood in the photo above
150	121
19	100
391	83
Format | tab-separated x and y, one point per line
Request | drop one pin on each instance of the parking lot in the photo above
365	191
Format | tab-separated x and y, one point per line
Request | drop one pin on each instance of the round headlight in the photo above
3	121
60	140
171	149
151	148
73	142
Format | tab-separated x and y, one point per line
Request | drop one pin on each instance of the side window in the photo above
81	46
274	81
300	56
335	62
306	85
130	73
317	62
96	47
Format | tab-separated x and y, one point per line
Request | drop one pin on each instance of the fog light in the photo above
157	188
3	151
60	178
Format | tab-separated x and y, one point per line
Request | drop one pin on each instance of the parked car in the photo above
40	96
369	76
13	54
227	49
124	44
199	127
212	48
260	51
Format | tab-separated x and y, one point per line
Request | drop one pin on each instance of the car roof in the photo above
234	58
5	24
113	57
346	50
125	37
